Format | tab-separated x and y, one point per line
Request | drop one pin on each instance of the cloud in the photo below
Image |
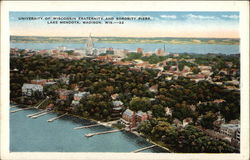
168	16
192	16
231	16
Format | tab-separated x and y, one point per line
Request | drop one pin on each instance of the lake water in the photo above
172	48
37	135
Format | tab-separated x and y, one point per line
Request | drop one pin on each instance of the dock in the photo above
159	146
19	110
33	114
98	133
142	149
55	118
88	126
13	106
39	115
41	103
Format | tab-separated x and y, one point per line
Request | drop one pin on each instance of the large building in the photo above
29	89
90	46
230	130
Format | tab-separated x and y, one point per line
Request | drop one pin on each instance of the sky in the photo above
159	24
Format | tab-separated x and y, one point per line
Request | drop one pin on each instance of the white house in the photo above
28	89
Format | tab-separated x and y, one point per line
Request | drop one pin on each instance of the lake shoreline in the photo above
70	115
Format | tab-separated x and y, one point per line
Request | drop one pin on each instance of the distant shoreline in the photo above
126	40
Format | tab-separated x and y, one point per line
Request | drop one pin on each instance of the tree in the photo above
208	119
138	103
158	110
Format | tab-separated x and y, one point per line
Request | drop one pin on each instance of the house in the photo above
192	107
114	96
187	121
78	96
229	129
229	64
220	120
233	82
103	58
141	116
218	101
64	94
50	107
149	114
224	71
74	87
117	107
154	88
177	123
38	81
168	111
49	83
128	119
237	134
64	79
75	103
117	103
205	67
236	121
186	69
28	89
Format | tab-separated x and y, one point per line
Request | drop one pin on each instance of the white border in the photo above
242	6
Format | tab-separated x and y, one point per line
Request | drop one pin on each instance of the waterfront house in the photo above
141	116
128	118
64	94
117	104
28	89
117	108
50	107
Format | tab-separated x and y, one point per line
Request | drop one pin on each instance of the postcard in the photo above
125	80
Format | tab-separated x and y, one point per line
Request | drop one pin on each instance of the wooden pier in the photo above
142	149
98	133
33	114
88	126
39	115
41	103
55	118
20	110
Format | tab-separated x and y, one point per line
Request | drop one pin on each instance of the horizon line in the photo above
126	37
